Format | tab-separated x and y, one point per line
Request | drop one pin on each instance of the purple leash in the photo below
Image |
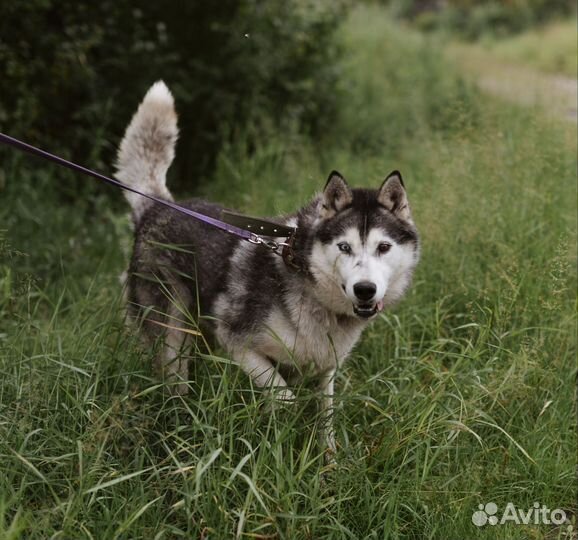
238	225
232	229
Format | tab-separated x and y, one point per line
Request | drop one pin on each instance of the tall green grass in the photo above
462	395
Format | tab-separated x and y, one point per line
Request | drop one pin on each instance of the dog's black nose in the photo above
364	290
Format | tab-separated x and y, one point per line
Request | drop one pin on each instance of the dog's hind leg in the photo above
263	373
172	362
169	323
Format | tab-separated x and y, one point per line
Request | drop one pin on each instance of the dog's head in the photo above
362	245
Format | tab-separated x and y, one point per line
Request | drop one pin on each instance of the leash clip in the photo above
255	239
271	245
287	252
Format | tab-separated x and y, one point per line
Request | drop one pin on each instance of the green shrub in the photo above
474	18
73	72
399	88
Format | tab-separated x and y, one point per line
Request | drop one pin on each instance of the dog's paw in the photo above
284	395
278	399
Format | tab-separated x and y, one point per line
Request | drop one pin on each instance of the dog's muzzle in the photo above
366	306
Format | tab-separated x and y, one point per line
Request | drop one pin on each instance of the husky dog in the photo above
355	249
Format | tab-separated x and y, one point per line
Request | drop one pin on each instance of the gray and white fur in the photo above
357	249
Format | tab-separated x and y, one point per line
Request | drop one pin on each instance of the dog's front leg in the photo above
263	373
327	432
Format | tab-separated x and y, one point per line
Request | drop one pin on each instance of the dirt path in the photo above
557	95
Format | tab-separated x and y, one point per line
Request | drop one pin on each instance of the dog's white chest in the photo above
308	336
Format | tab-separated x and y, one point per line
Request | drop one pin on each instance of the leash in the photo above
236	224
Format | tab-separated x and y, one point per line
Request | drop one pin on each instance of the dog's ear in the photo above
336	196
392	196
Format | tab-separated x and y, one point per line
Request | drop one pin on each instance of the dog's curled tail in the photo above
148	148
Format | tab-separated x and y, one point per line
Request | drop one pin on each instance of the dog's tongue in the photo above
379	305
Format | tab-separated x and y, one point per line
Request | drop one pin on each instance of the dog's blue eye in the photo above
383	247
344	247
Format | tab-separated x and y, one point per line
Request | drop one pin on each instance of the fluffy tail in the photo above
148	148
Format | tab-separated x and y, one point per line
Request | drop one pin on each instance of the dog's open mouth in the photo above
365	311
